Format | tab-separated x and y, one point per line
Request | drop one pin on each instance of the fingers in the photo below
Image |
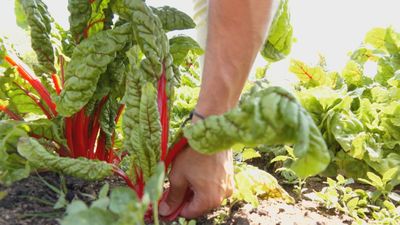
176	194
200	204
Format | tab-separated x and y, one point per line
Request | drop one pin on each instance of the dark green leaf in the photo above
173	19
180	47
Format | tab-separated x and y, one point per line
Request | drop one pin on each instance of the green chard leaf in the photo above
133	92
143	133
98	17
20	15
150	127
48	129
309	76
40	158
173	19
80	12
89	60
12	166
13	90
270	116
180	47
39	21
144	137
107	119
279	41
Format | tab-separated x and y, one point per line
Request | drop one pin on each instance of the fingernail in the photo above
164	209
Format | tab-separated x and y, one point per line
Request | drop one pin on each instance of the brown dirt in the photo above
22	207
274	211
24	203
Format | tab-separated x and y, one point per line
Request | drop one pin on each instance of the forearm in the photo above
236	31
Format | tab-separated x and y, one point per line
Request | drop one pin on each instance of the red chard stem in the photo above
34	81
56	83
36	100
162	101
10	113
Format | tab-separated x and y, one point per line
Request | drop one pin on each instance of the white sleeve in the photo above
200	17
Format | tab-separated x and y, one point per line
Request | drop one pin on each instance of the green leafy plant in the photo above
289	174
357	113
383	185
73	101
341	197
358	203
121	207
252	184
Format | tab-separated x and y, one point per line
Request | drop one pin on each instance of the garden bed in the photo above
30	201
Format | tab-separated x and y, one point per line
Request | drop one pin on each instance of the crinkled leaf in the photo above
89	60
83	168
173	19
48	129
80	12
132	97
144	138
151	39
149	129
39	21
180	47
107	119
270	116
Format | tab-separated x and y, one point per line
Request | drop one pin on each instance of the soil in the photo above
275	211
30	202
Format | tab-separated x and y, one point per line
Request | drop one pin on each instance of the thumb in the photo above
175	195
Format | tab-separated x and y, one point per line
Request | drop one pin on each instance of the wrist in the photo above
213	102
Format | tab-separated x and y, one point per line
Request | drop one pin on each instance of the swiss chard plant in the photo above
116	62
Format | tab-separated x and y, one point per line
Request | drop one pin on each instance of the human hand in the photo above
210	177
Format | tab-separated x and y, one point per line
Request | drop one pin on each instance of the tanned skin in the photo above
236	31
